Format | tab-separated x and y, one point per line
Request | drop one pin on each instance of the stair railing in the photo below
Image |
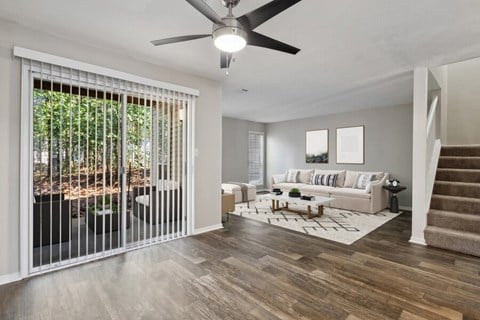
434	146
432	114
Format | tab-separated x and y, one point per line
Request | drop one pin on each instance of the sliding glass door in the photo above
108	165
76	171
155	157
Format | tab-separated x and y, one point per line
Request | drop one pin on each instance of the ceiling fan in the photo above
231	34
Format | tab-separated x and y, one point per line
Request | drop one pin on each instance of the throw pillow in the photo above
341	179
362	180
350	178
278	178
341	175
292	176
304	176
325	180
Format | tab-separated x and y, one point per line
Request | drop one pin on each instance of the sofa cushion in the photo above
313	189
351	177
286	186
349	192
340	178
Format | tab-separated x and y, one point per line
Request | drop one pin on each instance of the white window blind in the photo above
107	162
256	158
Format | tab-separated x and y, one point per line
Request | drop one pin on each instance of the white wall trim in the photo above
193	150
11	277
208	229
405	208
419	241
69	63
26	196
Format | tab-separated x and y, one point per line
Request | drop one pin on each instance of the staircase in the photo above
453	221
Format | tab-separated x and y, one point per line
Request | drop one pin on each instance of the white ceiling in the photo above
355	54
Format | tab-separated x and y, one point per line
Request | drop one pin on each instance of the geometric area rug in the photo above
338	225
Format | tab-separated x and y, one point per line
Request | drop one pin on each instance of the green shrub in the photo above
294	190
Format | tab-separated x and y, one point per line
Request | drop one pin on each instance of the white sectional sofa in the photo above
346	192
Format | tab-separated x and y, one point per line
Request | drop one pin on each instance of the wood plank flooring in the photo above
251	270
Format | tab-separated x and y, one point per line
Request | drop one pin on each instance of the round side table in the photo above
393	198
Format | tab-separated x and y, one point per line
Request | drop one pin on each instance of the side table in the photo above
393	198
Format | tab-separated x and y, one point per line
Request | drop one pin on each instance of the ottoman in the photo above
243	192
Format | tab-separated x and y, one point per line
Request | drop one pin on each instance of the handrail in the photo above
431	114
431	172
433	147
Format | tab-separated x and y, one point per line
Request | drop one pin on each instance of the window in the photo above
256	150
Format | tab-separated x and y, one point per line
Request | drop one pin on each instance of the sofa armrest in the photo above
379	196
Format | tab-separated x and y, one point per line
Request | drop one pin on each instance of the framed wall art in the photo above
316	146
351	145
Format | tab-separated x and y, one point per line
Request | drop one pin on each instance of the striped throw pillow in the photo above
324	180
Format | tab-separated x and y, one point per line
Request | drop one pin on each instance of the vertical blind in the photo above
256	158
109	160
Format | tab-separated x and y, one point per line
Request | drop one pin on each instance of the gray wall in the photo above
235	148
208	127
463	115
388	143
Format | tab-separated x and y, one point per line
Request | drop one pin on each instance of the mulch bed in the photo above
89	189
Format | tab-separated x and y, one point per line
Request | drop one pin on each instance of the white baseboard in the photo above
12	277
405	208
419	241
208	229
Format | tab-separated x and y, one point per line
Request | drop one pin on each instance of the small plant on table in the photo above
294	193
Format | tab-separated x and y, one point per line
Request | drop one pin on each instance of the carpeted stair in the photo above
454	217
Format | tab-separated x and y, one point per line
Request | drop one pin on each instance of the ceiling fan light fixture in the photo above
231	34
230	43
229	39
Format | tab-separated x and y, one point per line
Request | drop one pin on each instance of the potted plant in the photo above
105	210
294	193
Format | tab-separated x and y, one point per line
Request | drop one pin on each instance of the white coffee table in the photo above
317	201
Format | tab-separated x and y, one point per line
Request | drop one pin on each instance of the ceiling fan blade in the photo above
206	10
179	39
259	40
258	16
225	59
